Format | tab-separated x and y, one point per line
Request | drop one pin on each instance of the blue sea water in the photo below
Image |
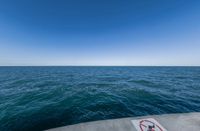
38	98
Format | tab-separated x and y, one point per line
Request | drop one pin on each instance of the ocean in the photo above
38	98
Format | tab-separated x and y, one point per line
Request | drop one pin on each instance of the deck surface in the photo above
171	122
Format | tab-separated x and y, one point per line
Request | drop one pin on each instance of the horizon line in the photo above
99	65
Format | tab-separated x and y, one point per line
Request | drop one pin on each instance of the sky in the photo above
100	32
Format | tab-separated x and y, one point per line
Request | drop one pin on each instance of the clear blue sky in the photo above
100	32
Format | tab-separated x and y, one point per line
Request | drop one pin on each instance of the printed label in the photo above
148	124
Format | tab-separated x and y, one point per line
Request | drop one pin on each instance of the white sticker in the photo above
148	124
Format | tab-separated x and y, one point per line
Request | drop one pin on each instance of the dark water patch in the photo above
181	77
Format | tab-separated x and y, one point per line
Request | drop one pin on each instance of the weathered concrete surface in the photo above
171	122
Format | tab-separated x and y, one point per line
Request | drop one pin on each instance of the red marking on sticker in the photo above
141	124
